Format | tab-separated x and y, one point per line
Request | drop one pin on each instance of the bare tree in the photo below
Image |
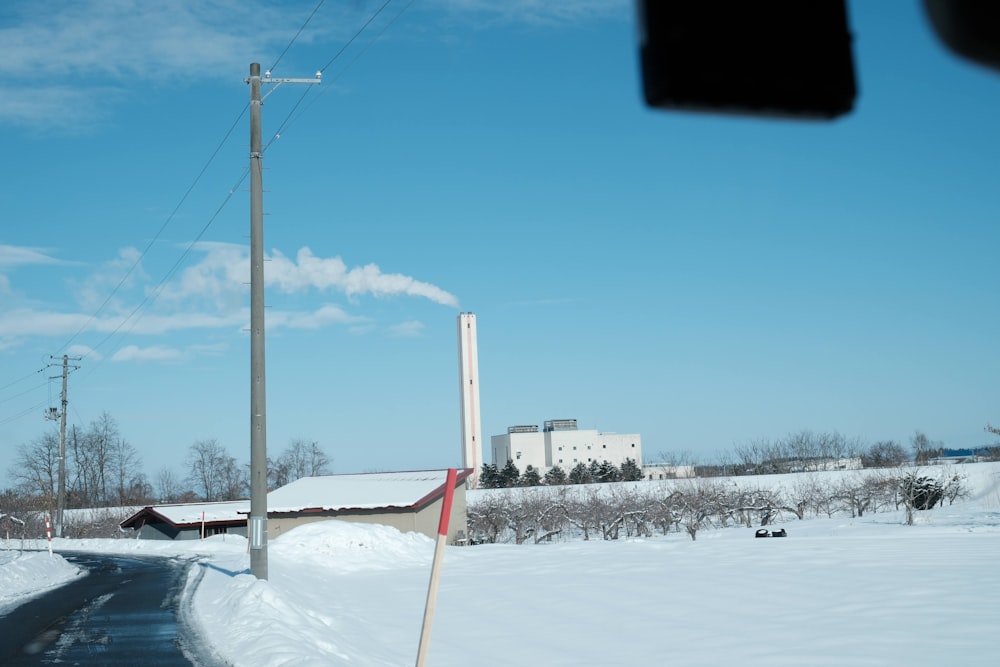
168	486
884	454
234	479
302	458
93	453
488	518
923	448
36	467
211	470
129	481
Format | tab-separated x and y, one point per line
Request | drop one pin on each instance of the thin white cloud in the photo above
153	353
24	256
406	329
84	351
164	353
538	12
324	316
27	322
63	64
123	272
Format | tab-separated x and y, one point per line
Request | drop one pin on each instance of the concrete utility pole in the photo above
61	494
258	405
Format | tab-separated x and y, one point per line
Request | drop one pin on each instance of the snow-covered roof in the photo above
191	513
362	491
380	490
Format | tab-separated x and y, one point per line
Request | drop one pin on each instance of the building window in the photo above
633	444
604	446
574	448
560	460
588	446
560	449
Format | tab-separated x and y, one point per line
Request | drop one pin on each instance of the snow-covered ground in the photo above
835	592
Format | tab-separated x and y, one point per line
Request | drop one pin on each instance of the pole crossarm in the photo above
267	78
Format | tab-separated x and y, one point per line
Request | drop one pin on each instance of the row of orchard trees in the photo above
610	512
104	470
596	472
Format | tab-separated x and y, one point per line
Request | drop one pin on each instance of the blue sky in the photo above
701	280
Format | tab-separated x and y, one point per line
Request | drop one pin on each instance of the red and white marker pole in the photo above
442	540
48	532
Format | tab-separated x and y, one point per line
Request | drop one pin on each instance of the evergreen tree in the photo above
489	477
631	472
580	475
510	475
530	477
594	469
608	472
556	476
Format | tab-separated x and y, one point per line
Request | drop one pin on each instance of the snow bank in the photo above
25	574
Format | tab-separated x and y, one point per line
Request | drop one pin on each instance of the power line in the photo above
159	232
287	122
272	67
26	391
22	379
155	292
27	411
360	30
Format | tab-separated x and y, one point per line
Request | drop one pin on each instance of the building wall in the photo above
468	377
424	521
164	531
568	448
523	449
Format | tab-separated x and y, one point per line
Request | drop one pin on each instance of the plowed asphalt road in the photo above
126	611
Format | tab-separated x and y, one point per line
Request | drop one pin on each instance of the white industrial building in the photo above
561	443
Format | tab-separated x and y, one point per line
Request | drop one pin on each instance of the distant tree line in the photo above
104	470
805	451
520	515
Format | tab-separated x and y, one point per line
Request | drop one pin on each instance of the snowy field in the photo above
835	592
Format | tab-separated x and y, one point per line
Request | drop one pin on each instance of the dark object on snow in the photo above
920	493
763	532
